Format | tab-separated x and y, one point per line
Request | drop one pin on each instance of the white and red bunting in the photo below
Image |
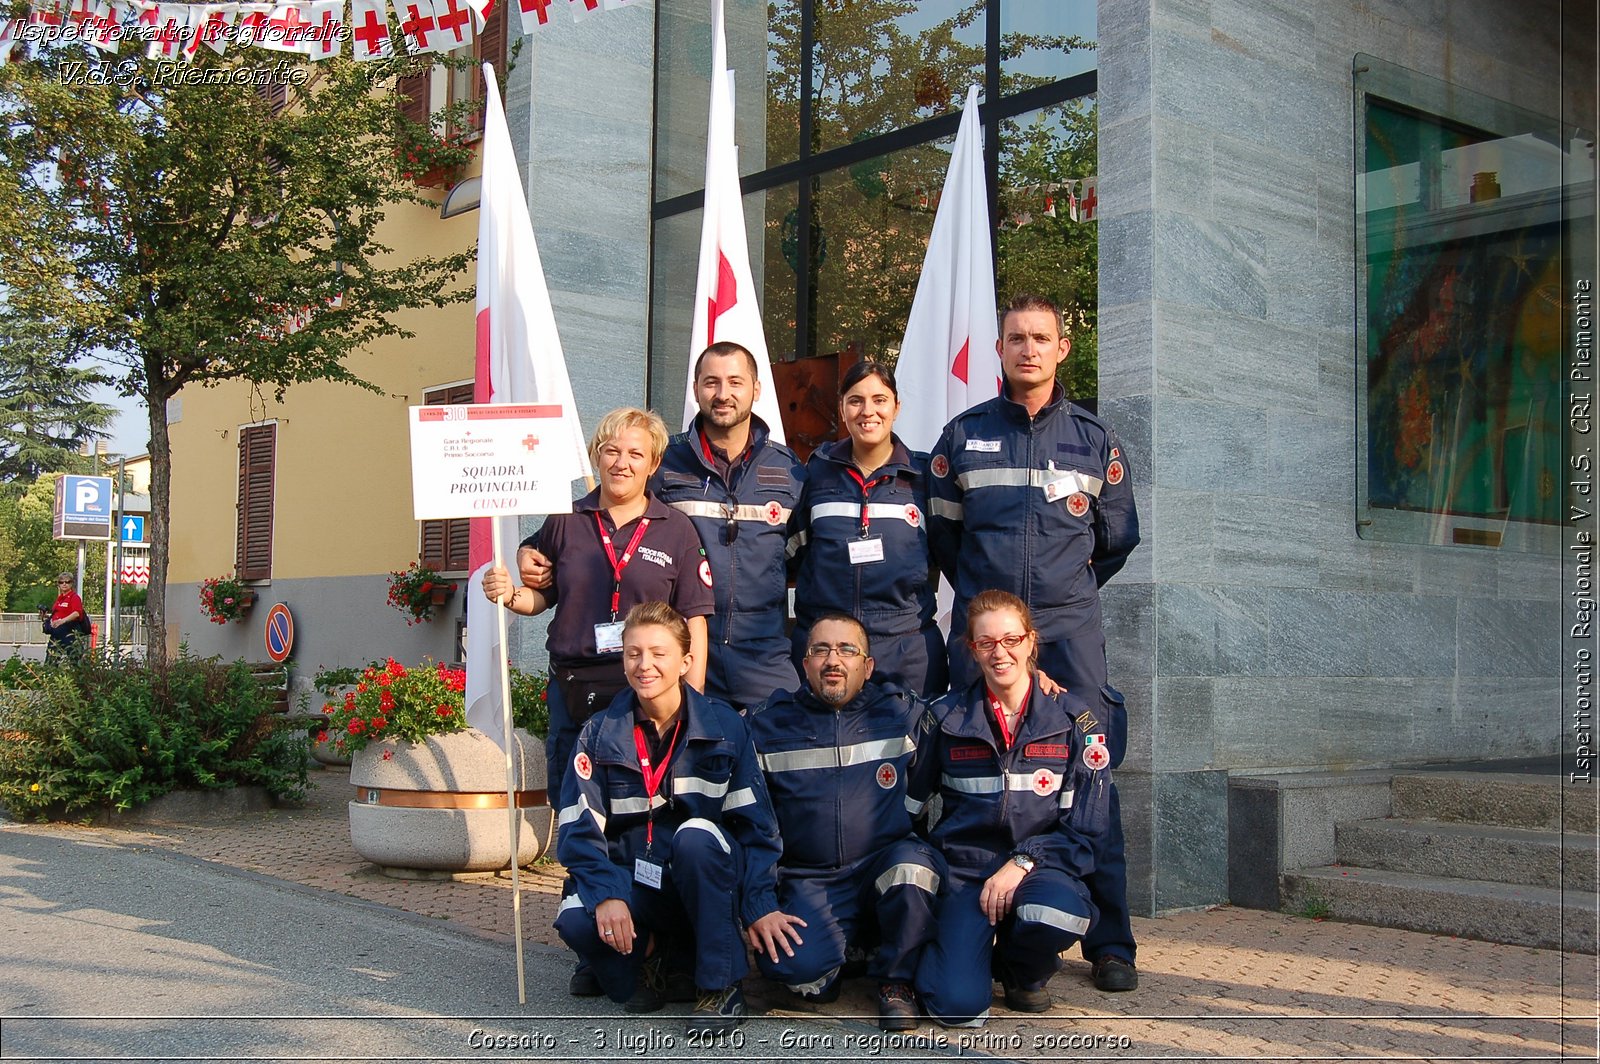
419	28
213	29
482	12
172	30
582	9
535	13
453	20
369	30
326	38
287	29
6	27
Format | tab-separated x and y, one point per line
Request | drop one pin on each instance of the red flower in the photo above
386	701
384	679
328	707
361	687
378	723
356	726
349	700
444	710
322	736
388	755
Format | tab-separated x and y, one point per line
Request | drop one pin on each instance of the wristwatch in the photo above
1022	861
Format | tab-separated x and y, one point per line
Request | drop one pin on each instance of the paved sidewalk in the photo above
1218	984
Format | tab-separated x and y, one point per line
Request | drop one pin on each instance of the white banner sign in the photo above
488	459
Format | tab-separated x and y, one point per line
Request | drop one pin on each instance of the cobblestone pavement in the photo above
1222	983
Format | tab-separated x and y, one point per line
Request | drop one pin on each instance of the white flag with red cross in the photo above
453	20
7	26
369	30
212	28
172	29
948	360
325	39
582	9
725	305
286	28
419	27
534	13
1088	201
519	360
101	29
482	11
252	27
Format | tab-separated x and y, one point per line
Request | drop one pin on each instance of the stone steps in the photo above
1492	853
1540	802
1540	917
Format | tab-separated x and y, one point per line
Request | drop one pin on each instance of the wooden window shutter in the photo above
492	49
445	543
258	446
412	90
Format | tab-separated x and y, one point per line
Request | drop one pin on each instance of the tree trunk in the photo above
160	531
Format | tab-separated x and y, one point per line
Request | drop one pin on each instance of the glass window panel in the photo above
1040	248
874	219
1045	40
1464	228
675	255
776	269
883	64
683	67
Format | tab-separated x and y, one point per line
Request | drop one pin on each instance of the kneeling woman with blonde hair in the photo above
665	800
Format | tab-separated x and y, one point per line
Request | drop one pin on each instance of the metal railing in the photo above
23	629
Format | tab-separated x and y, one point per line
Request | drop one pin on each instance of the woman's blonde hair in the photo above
621	420
647	613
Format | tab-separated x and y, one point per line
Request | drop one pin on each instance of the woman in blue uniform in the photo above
668	823
1024	781
859	537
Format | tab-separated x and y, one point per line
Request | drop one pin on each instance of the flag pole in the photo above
512	811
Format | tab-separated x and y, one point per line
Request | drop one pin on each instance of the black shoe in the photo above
897	1007
1115	975
1019	999
678	986
649	988
718	1011
583	982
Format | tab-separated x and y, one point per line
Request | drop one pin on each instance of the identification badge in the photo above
647	872
984	446
1060	488
608	637
866	550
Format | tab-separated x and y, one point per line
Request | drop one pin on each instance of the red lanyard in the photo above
1000	715
652	780
866	486
619	564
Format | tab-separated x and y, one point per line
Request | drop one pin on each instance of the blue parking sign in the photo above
83	508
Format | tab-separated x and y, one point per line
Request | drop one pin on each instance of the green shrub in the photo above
97	735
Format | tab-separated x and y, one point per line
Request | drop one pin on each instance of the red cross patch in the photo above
774	513
1095	754
887	775
1114	472
1044	781
583	766
1077	504
940	466
913	516
705	572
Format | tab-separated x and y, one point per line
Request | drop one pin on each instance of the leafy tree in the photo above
180	226
45	410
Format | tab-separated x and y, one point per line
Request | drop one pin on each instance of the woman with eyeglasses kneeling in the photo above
665	809
1024	780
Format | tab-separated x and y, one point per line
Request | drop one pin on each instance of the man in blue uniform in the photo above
836	755
1030	494
739	486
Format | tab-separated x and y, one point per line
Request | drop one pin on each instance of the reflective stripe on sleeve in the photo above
697	785
738	799
945	508
571	901
571	813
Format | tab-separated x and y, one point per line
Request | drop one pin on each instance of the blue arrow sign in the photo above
132	529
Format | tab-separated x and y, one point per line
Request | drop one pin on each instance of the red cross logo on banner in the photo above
1077	504
774	513
417	26
1087	205
887	775
1044	781
452	20
372	35
540	9
290	26
530	441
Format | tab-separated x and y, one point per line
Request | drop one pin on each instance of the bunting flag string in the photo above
1079	196
315	29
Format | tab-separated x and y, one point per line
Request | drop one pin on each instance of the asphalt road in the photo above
116	953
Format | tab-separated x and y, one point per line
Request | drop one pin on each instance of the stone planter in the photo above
440	805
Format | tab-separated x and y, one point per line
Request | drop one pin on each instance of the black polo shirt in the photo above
668	566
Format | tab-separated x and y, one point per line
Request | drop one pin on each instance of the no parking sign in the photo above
279	635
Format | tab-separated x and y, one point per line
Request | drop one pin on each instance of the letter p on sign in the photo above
87	494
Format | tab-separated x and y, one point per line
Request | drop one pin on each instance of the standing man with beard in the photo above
738	486
836	755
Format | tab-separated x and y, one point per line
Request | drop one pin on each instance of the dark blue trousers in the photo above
890	897
955	978
745	674
694	912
